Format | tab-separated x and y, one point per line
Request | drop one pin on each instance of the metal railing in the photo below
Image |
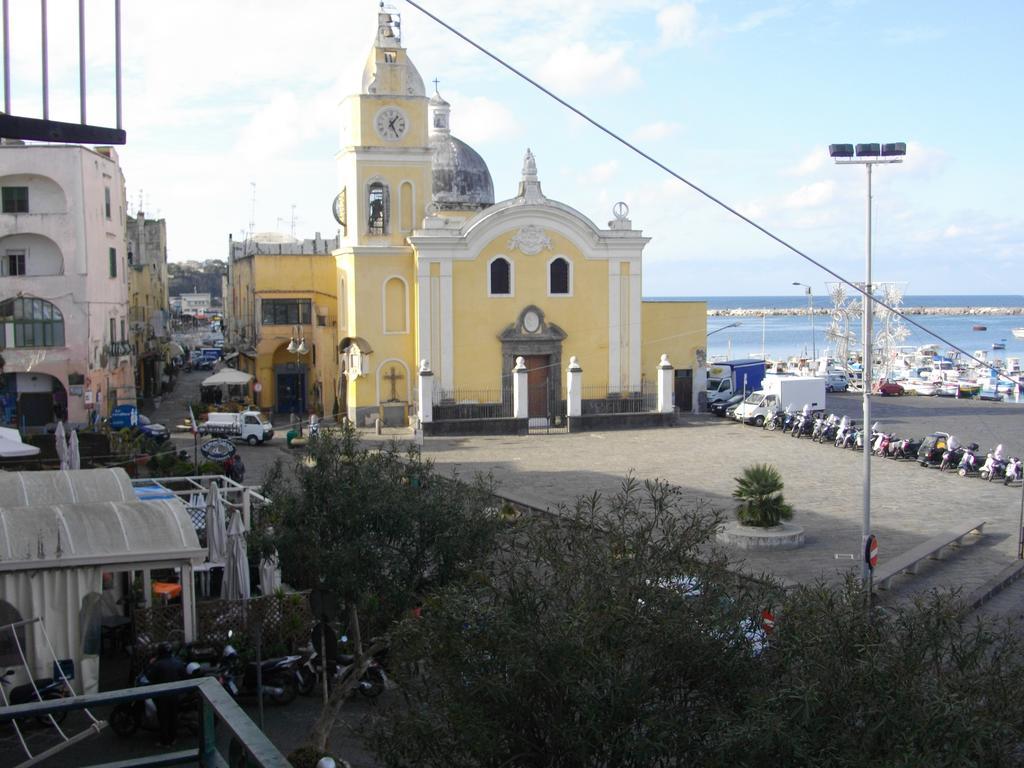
597	399
247	743
456	404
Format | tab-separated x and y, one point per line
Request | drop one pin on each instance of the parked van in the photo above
836	381
250	426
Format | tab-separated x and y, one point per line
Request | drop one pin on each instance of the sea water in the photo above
786	336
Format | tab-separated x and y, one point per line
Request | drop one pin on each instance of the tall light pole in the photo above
867	155
810	311
299	348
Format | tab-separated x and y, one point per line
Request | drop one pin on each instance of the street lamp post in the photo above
867	155
299	348
810	313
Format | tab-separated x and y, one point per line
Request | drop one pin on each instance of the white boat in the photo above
1018	333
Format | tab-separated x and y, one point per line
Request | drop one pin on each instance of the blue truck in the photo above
128	417
733	377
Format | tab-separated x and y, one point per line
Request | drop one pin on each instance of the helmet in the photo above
192	668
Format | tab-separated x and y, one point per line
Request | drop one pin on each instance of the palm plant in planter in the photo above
759	490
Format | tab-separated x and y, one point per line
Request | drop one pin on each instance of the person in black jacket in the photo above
167	668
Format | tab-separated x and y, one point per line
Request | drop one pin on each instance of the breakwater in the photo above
825	311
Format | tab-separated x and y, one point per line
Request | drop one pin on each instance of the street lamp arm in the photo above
730	325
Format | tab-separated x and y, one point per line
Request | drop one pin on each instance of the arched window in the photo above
500	277
559	277
396	315
379	206
31	323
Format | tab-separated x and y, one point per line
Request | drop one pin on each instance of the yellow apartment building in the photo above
148	308
280	290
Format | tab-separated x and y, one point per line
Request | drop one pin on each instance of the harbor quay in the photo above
704	454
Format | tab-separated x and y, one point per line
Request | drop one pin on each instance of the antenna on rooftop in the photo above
252	210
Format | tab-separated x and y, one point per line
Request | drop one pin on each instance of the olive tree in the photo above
608	634
377	528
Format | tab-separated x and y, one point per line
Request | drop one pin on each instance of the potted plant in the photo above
759	490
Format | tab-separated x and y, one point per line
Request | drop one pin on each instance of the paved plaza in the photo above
704	454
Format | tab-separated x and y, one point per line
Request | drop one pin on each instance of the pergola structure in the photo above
60	532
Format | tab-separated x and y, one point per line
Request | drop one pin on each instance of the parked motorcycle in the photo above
952	455
789	419
1013	470
40	689
847	436
772	419
278	676
994	466
371	685
969	464
880	446
129	716
905	448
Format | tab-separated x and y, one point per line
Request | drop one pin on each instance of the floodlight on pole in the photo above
867	155
810	312
730	325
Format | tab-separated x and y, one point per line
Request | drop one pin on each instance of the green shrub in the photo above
759	490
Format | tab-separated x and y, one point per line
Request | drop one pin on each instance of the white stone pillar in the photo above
575	388
520	391
426	393
188	602
665	371
700	379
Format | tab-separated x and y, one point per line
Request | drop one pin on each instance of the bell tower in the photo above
385	158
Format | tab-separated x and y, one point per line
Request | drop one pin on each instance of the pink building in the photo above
64	336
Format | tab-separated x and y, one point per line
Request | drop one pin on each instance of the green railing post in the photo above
208	756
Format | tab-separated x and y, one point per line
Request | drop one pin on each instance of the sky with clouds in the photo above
740	97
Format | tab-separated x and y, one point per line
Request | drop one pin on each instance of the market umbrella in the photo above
216	537
11	446
74	454
236	571
60	442
270	575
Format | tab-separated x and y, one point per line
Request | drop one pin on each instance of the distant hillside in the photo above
196	277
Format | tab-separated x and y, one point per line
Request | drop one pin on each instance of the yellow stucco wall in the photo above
290	276
675	328
479	318
365	277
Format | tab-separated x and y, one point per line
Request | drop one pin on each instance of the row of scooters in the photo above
278	680
939	449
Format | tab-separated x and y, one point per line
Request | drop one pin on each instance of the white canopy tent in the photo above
228	376
58	537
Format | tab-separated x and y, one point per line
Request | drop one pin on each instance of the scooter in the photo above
847	436
969	462
951	456
372	684
880	446
278	676
1013	471
40	689
771	419
788	419
126	718
994	466
906	448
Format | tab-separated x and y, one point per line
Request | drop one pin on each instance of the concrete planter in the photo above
784	536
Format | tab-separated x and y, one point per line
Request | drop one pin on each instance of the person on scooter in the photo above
167	668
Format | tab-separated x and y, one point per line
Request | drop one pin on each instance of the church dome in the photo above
461	179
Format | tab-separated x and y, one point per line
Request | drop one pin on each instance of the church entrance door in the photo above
538	368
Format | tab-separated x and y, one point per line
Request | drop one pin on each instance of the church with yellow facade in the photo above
433	274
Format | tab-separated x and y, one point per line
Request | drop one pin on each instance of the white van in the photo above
836	381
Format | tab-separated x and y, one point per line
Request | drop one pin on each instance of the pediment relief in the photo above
531	325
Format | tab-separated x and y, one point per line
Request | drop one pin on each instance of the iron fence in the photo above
456	404
597	399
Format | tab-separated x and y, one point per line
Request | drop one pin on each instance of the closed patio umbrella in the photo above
236	572
74	453
270	575
60	442
216	534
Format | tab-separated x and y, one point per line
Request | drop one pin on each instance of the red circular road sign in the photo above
871	552
768	621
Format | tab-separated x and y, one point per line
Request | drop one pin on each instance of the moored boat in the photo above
1018	333
1001	344
979	327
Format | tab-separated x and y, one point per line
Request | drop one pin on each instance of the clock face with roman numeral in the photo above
390	123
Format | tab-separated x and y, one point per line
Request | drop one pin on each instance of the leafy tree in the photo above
759	490
847	686
378	529
605	636
614	634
